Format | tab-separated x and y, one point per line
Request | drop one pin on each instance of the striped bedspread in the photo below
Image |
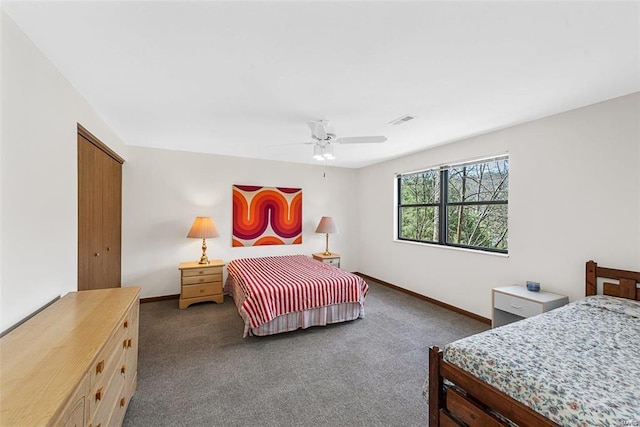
278	285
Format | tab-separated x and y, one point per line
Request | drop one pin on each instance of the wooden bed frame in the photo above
470	401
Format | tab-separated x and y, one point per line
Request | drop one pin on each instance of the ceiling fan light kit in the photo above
323	151
317	152
323	135
328	152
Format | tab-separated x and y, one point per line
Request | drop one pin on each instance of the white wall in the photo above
165	190
574	195
40	112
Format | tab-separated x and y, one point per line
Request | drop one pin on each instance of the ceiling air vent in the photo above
401	120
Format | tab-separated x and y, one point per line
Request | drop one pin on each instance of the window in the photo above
462	205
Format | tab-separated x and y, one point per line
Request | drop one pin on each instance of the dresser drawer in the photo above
210	278
194	291
515	305
107	360
121	407
103	400
201	271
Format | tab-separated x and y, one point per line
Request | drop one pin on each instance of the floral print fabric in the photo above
578	365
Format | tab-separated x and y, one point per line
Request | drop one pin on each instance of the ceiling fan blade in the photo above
362	139
318	130
291	143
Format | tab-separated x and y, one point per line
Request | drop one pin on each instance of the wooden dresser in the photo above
200	282
74	363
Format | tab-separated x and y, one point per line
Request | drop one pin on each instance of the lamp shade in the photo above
318	152
327	226
203	227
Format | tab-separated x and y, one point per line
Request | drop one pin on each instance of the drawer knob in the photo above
129	343
100	367
123	369
201	290
96	254
124	344
122	402
99	394
126	324
201	280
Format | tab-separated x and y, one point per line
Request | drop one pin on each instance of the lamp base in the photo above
326	246
203	258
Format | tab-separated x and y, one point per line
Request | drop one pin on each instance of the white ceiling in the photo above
236	78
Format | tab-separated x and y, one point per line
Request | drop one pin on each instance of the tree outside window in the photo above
463	205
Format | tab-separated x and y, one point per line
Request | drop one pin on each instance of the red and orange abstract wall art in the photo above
266	216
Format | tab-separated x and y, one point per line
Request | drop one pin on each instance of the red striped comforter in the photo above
278	285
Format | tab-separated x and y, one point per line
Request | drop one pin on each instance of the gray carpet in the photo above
195	369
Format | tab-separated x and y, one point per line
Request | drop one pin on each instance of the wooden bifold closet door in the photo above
99	214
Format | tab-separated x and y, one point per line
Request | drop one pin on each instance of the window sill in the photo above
452	248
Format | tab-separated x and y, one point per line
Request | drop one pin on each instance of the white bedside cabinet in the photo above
513	303
333	258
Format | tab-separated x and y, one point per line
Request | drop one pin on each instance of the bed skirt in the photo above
320	316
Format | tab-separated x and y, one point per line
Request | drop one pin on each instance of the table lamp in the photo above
327	226
203	227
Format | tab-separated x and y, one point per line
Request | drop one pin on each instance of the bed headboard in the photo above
626	288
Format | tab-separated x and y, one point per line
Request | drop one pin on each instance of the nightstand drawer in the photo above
193	280
203	271
515	305
332	261
193	291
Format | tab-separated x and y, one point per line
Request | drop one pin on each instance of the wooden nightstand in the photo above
513	303
333	259
200	282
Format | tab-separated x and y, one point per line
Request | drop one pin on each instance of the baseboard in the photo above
160	298
428	299
382	282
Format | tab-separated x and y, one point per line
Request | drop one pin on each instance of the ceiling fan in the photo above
323	136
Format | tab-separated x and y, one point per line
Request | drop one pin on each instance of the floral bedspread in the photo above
578	365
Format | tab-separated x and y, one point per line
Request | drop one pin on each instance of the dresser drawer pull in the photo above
122	402
124	344
123	369
202	290
99	394
202	272
129	343
126	324
519	307
100	367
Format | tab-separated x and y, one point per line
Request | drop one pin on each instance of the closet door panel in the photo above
112	221
90	217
